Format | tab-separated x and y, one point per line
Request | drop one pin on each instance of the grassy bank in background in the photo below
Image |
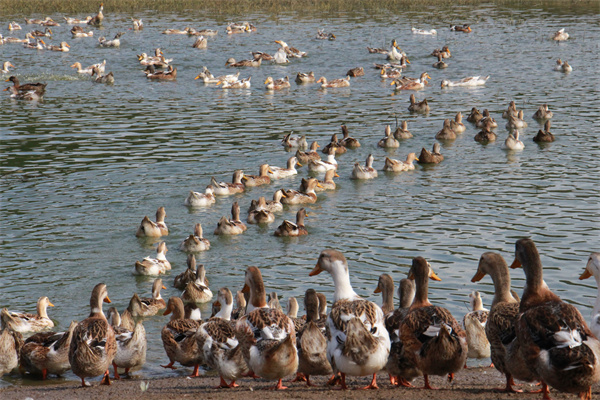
32	7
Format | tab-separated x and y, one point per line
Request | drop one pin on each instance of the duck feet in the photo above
308	381
252	375
106	379
84	383
300	377
509	386
427	385
117	377
393	380
225	385
169	365
342	379
450	377
373	384
279	386
195	374
404	382
587	395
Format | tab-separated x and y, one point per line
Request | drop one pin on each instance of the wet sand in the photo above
472	383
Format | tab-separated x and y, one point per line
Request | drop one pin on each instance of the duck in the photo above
458	28
179	338
37	88
292	141
355	72
257	180
312	154
148	306
392	165
420	107
403	84
218	342
402	131
288	228
200	43
154	266
169	75
516	121
334	142
5	67
444	52
196	199
291	51
439	64
388	141
359	344
366	172
433	157
511	110
475	115
500	328
395	53
260	214
487	121
474	325
322	35
485	136
131	345
469	81
307	196
154	229
560	35
376	50
231	62
446	133
240	306
78	32
262	55
457	125
290	170
433	339
401	371
115	42
207	77
88	70
278	84
47	32
189	275
543	113
47	352
513	142
336	83
93	346
195	243
174	31
274	301
197	291
544	135
138	24
36	21
280	57
233	226
554	337
323	166
292	313
23	322
562	66
23	94
14	26
391	73
348	141
108	78
266	335
275	204
225	189
73	21
241	84
416	31
385	286
305	77
158	61
10	347
97	19
592	268
49	22
311	341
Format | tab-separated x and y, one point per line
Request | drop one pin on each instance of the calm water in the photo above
81	169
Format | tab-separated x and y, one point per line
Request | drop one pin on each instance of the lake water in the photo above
81	169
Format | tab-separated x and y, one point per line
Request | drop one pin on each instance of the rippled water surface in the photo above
81	169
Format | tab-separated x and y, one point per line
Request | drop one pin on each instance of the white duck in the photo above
5	67
560	35
267	336
416	31
360	343
279	172
469	81
366	172
154	229
154	266
512	142
196	199
322	166
593	269
23	322
562	66
474	325
393	165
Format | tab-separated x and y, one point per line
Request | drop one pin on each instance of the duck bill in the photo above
50	304
316	270
478	276
434	277
516	264
298	164
377	290
163	286
107	300
217	303
586	274
246	288
336	175
167	311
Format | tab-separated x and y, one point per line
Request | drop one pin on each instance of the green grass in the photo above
72	7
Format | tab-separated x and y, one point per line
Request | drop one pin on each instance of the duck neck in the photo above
96	307
178	312
225	311
258	298
421	294
501	279
341	281
156	292
41	309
